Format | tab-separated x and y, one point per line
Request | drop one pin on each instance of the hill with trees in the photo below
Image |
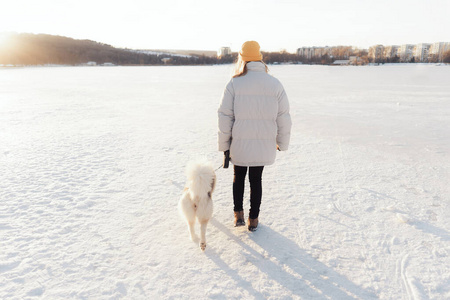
44	49
27	49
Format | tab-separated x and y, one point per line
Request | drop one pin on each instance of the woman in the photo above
254	122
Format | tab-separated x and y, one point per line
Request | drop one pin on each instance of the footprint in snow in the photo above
37	292
7	266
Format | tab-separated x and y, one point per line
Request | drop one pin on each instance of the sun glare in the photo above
4	37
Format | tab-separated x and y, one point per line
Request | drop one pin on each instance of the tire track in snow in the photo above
402	264
414	289
344	173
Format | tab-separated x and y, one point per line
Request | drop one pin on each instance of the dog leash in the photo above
218	168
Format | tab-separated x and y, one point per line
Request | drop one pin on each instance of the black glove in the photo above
226	159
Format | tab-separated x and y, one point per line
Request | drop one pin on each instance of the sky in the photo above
210	24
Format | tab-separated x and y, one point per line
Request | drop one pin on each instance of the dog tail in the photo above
201	177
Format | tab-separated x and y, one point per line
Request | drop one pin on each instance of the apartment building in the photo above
391	51
223	51
406	52
305	52
376	53
437	50
343	52
310	52
421	52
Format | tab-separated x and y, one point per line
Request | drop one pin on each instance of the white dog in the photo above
196	200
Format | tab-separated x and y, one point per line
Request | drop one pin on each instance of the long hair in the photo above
240	68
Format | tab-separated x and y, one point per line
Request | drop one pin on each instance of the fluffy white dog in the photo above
196	200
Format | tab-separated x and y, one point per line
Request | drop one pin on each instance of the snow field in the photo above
92	166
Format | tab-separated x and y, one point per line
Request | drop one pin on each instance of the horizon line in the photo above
211	50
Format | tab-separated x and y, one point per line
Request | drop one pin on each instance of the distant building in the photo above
224	51
376	53
311	52
406	52
391	51
438	50
165	60
342	62
305	52
421	52
337	52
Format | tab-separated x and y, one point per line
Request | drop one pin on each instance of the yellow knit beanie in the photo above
250	51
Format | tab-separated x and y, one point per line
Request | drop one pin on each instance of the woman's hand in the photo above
226	159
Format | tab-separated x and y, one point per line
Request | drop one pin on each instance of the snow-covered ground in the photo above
92	166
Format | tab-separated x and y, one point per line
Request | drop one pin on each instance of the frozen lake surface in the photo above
92	166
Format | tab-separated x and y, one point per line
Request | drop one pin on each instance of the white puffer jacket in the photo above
254	118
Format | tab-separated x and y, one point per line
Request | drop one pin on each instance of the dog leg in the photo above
191	228
203	225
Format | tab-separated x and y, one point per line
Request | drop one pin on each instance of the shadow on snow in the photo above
296	270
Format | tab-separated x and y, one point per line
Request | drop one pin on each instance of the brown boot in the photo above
252	224
239	218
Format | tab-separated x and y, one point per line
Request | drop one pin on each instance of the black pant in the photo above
254	176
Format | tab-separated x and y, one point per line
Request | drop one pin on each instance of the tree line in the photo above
43	49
